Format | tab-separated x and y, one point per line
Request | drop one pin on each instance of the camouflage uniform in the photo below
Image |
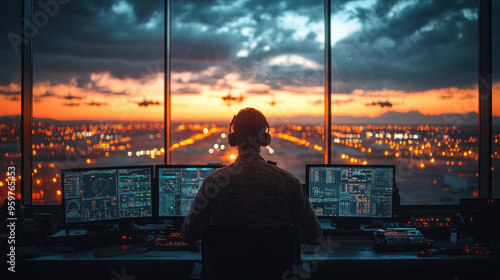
251	192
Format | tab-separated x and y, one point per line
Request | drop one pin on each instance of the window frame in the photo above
484	88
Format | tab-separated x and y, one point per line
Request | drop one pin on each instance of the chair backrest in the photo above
249	252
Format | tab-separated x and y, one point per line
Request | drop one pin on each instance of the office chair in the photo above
250	252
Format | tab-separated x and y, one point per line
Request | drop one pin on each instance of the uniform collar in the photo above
250	156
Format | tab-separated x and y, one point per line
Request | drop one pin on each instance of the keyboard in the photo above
172	242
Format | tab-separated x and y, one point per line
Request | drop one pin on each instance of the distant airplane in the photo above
273	102
229	99
146	103
98	104
383	104
71	97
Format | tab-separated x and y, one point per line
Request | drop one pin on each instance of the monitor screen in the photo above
178	186
103	194
351	190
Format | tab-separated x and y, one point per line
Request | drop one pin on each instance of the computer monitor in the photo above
178	186
351	191
107	194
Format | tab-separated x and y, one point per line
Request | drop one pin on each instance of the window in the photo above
98	89
404	87
10	95
405	93
228	55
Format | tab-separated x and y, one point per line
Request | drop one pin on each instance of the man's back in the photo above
259	193
251	192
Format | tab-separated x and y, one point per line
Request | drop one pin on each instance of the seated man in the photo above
251	191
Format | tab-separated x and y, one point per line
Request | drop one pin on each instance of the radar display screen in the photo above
178	186
106	194
351	190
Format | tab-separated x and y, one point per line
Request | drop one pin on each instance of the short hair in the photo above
249	122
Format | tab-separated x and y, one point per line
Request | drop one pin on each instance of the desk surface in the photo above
346	259
329	250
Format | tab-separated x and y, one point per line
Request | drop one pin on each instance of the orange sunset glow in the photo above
122	102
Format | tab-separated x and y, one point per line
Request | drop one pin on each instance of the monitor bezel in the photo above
110	221
157	184
354	218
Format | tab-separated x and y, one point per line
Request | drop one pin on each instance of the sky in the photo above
103	59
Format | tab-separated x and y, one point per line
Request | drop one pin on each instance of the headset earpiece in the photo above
265	138
231	137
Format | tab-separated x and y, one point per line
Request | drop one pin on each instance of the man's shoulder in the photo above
284	173
235	169
224	172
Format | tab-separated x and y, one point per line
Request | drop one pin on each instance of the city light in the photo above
377	144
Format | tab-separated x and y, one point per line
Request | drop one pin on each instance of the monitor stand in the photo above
374	225
350	223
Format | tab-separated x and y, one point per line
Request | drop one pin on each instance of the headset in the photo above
263	140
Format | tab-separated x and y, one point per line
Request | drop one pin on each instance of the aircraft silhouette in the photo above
383	104
146	103
229	98
273	102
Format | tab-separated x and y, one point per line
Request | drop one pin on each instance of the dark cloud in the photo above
71	104
9	93
10	66
122	42
317	102
96	104
187	90
257	91
45	95
338	102
104	90
446	96
424	46
252	26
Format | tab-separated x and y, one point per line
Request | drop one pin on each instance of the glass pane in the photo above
228	55
405	93
98	89
496	100
10	96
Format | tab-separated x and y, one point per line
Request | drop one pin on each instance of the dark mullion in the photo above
328	84
26	103
168	105
485	100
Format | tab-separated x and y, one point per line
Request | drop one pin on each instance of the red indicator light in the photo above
124	237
